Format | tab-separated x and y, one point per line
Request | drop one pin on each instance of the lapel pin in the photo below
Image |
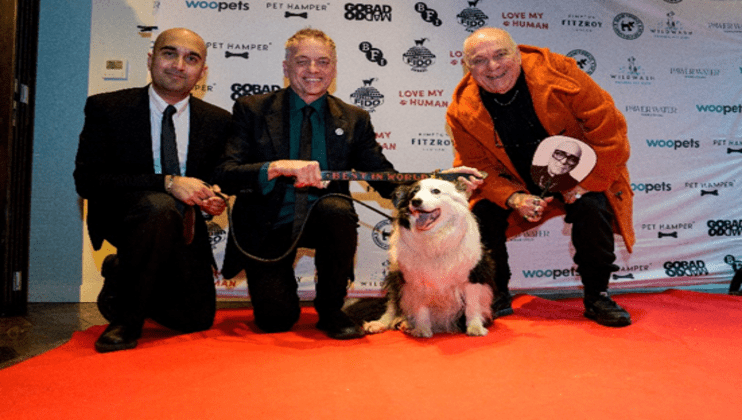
339	131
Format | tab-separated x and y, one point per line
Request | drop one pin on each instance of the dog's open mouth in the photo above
425	219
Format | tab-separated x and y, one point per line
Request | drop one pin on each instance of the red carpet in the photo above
679	360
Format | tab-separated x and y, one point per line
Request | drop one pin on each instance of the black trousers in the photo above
158	276
592	237
331	230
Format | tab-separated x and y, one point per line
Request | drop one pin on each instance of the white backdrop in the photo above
674	68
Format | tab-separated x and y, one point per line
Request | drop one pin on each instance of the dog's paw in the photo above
420	332
476	329
400	323
374	327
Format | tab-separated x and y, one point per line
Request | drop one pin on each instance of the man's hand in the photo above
195	192
574	194
475	180
306	173
214	205
530	207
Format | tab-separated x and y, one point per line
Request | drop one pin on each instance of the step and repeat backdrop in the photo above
673	67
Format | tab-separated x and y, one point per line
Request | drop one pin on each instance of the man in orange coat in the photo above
512	98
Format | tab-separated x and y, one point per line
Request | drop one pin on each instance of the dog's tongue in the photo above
426	219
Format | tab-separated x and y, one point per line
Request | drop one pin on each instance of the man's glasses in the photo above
561	156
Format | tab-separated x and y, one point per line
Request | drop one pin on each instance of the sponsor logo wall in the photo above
674	68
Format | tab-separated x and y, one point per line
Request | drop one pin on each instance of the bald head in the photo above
176	63
181	33
493	59
488	35
566	156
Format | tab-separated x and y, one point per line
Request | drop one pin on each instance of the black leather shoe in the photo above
736	283
502	305
603	310
118	337
339	326
108	296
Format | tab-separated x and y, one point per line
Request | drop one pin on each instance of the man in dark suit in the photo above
134	146
265	168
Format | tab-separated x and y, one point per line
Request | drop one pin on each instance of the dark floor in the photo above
49	325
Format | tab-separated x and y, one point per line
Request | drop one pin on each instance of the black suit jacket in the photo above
261	125
115	151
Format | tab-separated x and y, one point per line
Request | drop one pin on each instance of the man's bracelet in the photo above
169	180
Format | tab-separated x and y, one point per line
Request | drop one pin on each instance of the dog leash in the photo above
396	177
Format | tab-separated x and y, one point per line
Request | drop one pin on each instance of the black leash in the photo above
340	176
295	244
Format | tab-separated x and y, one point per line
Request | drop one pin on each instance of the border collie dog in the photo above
440	279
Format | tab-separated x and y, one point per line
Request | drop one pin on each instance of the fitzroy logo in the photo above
219	6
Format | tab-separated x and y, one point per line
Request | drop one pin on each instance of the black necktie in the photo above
305	153
171	166
168	147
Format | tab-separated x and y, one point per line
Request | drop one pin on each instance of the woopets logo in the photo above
219	6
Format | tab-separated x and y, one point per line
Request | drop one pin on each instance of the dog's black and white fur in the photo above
439	273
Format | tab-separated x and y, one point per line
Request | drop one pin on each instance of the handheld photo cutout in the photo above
561	162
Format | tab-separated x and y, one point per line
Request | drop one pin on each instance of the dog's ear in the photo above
461	187
399	195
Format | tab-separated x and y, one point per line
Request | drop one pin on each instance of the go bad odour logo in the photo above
219	6
247	89
472	18
419	58
368	12
724	227
367	97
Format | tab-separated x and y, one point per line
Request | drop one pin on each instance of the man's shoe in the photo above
502	304
339	326
108	297
603	310
118	337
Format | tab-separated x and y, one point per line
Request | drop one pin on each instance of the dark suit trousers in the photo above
331	230
592	236
159	276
